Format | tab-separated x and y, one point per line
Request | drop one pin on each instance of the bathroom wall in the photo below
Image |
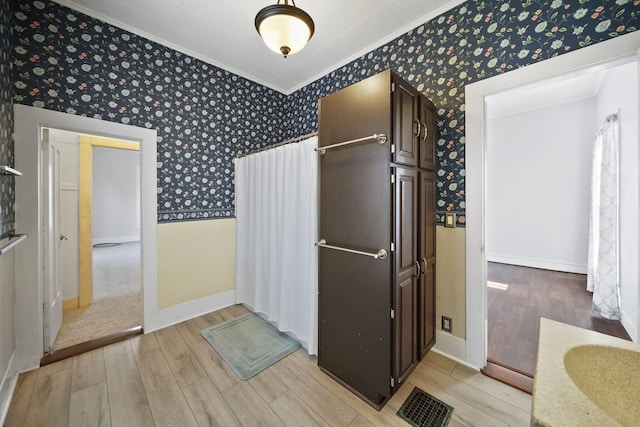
69	62
474	41
204	115
7	335
196	259
7	197
7	188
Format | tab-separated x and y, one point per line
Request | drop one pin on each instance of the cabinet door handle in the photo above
418	128
424	261
419	272
424	125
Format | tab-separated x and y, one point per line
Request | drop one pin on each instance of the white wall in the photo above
116	198
538	184
67	143
7	337
619	93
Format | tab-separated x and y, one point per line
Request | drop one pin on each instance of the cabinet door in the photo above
427	255
405	256
406	124
428	135
354	291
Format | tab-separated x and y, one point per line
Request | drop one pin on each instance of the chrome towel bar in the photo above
381	254
14	239
6	170
380	137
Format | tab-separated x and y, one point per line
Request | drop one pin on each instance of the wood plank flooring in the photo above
514	313
173	377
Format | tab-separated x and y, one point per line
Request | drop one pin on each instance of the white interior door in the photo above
52	241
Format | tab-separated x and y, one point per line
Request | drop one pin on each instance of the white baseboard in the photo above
630	326
7	386
452	347
189	310
539	263
117	239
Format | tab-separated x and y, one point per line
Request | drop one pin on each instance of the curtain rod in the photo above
279	144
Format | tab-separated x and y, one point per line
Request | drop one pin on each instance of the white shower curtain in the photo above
276	228
602	265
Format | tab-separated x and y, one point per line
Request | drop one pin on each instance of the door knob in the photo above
64	237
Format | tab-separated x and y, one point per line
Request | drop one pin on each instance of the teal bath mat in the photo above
249	344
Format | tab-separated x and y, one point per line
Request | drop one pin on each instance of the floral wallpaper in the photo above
204	115
7	189
474	41
67	61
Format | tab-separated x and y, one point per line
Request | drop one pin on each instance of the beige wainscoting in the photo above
196	259
450	278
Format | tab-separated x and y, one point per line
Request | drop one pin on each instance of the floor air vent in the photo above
423	410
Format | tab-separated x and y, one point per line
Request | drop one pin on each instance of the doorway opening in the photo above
99	245
601	56
29	298
538	173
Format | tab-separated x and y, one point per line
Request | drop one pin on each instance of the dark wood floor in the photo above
514	314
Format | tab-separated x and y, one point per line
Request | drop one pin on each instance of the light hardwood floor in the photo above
173	377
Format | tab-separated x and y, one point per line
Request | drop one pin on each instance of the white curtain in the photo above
276	228
602	265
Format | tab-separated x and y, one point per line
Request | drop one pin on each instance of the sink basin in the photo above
609	377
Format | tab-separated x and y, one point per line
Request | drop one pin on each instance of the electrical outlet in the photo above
447	324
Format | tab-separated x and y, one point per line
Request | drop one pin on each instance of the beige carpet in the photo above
116	270
103	318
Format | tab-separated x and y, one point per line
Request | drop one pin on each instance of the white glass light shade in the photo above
284	31
284	28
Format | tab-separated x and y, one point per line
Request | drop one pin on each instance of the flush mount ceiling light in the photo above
284	28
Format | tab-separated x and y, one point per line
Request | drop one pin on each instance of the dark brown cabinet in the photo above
427	259
414	130
406	123
376	277
427	135
405	267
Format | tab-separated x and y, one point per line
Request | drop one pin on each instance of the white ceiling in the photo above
222	32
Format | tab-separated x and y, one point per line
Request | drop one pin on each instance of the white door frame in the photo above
618	50
29	210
